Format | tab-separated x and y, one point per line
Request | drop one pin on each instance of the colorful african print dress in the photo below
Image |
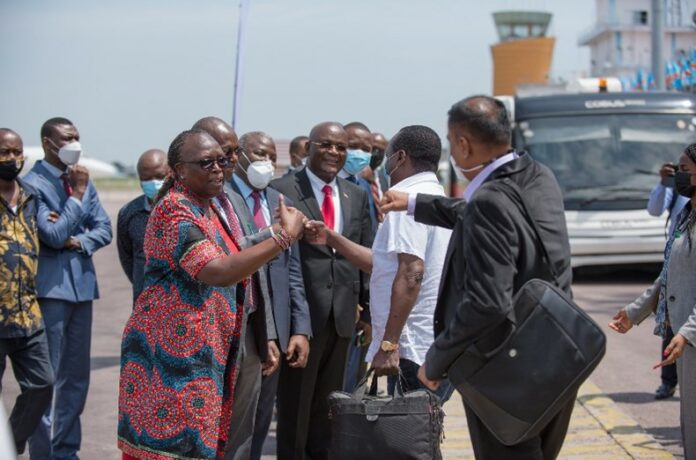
180	346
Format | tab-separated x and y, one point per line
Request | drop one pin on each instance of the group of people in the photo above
51	223
252	293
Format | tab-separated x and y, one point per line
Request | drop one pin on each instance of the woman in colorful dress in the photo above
180	346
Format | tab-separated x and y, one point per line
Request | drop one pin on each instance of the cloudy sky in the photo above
131	74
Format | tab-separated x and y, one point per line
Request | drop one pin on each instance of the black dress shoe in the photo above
664	391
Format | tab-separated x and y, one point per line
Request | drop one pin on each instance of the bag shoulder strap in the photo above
525	212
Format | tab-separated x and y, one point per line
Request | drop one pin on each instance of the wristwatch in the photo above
388	347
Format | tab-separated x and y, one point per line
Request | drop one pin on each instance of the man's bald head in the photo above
216	127
484	118
152	164
327	149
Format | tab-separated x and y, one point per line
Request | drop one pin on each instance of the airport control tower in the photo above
524	53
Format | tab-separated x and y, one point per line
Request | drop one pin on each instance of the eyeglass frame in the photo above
328	145
207	164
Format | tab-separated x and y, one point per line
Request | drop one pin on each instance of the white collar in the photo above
487	171
426	176
317	182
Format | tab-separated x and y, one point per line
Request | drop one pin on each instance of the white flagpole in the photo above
238	68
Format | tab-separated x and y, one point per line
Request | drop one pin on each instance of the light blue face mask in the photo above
151	187
356	161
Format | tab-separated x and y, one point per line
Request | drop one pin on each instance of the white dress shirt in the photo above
317	186
401	234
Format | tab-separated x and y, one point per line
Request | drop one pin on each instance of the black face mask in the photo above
9	170
682	182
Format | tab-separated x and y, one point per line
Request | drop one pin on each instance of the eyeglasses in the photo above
208	163
327	145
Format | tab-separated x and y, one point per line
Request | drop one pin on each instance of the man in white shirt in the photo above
406	263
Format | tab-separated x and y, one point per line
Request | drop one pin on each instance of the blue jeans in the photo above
69	334
410	382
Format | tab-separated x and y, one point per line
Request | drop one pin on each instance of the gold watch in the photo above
388	347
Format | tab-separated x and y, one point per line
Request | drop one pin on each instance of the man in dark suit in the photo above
333	287
285	282
259	354
492	253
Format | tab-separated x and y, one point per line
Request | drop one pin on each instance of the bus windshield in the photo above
606	162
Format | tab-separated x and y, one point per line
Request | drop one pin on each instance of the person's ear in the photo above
179	171
464	146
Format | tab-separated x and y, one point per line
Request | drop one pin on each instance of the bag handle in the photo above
528	216
359	392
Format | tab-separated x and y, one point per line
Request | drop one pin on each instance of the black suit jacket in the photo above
285	282
332	283
493	251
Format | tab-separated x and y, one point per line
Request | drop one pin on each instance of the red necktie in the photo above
259	219
327	207
374	188
66	184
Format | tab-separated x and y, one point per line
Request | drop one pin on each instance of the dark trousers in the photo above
34	374
246	398
264	412
544	446
410	382
668	373
69	336
304	429
356	366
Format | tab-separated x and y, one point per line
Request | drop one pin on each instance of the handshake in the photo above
316	232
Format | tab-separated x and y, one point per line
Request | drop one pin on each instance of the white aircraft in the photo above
97	168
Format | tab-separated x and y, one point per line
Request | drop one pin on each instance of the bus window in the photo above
606	162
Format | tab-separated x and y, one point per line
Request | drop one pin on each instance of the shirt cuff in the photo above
75	200
411	207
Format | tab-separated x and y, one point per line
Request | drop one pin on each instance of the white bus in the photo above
606	150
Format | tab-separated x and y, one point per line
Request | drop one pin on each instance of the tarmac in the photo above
598	428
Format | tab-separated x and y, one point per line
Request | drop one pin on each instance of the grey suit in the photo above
258	329
290	314
492	253
680	294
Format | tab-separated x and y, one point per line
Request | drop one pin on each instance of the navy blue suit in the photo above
66	284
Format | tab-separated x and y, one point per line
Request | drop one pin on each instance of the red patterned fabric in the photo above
181	344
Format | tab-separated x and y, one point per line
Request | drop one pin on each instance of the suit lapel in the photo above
345	195
272	198
306	195
246	220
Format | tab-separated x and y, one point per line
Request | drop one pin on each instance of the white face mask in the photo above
459	171
260	173
69	154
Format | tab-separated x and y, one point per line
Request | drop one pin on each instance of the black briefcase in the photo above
369	427
550	348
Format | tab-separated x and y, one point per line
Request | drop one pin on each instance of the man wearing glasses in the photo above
333	287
